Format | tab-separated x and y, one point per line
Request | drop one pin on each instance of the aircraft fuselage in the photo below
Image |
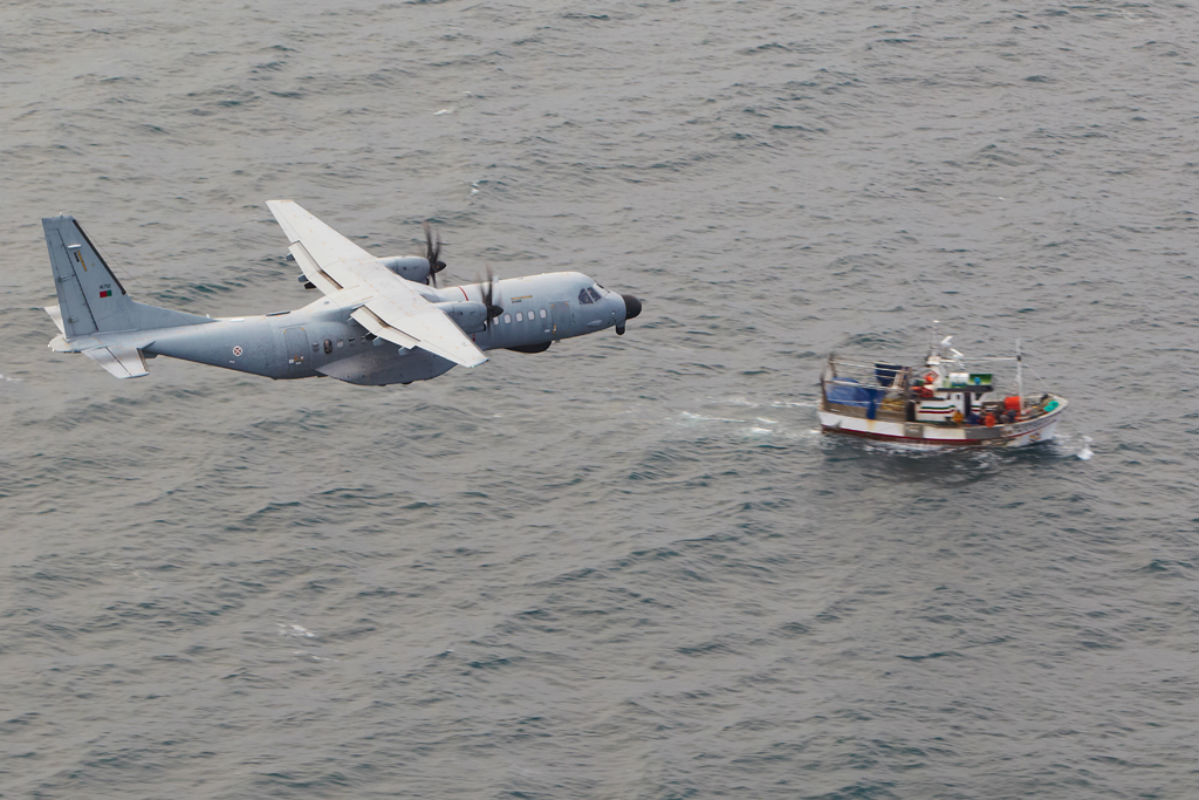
321	338
377	320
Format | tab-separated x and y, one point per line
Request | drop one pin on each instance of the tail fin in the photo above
90	298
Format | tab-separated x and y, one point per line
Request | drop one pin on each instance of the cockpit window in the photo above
588	295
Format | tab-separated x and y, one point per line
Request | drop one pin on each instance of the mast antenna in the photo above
1020	376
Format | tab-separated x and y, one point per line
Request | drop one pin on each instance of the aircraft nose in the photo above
632	306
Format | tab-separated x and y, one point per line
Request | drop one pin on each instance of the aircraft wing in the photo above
389	306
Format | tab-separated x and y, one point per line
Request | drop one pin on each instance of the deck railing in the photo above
871	390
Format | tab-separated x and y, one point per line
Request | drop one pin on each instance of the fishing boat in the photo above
947	402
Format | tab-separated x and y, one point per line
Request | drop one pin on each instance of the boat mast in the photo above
1020	377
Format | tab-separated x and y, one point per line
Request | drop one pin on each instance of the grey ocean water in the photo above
628	567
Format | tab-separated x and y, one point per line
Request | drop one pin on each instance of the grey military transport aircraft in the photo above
379	321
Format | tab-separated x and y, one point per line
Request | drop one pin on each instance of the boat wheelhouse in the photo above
949	401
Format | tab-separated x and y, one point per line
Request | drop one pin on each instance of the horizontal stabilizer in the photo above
56	315
121	362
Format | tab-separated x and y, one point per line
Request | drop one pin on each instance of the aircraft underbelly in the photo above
383	365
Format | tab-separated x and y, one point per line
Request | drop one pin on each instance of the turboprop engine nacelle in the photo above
470	315
413	268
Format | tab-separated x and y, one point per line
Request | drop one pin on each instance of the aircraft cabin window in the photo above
543	313
315	347
328	345
519	318
507	318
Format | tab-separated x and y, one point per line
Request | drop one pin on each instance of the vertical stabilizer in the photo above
90	298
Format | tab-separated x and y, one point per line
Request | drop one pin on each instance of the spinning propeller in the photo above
488	290
432	253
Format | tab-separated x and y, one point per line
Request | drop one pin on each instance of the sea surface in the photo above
629	567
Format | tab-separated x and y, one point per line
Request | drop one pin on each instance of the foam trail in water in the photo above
688	415
1085	453
293	629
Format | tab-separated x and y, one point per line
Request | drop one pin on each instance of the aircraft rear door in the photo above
295	341
561	320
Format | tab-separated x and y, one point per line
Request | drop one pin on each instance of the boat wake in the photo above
748	425
1085	452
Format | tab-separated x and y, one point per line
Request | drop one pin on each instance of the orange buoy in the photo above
1011	403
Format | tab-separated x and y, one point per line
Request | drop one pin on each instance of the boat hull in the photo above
928	436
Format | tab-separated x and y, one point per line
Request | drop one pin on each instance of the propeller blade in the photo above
488	292
433	254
